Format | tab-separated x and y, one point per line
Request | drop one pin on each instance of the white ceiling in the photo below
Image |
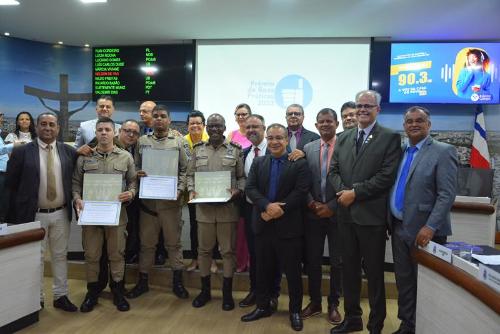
127	22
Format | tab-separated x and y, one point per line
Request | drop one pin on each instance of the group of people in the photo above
291	187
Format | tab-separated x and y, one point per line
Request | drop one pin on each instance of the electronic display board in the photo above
137	73
445	73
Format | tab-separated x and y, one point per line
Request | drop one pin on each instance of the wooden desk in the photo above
20	276
449	300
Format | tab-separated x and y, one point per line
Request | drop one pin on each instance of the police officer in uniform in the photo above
217	222
106	158
163	215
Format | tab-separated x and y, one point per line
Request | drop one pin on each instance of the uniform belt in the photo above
51	210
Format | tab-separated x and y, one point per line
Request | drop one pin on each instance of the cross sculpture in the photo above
64	97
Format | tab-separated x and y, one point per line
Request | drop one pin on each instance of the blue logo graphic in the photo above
293	89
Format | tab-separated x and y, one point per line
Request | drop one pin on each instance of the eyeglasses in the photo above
130	132
293	113
195	123
254	127
365	106
242	115
277	138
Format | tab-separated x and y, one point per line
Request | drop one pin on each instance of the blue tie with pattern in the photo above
400	190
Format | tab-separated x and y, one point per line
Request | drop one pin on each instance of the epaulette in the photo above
235	144
199	144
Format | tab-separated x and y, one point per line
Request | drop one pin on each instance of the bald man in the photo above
146	113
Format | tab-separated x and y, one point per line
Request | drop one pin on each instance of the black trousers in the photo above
133	245
405	270
273	255
252	271
367	242
316	232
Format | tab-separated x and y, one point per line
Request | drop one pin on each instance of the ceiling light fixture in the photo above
9	2
94	1
60	43
6	33
87	45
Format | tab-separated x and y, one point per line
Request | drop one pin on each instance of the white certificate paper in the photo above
212	187
100	213
158	187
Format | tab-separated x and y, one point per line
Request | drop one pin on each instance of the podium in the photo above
20	251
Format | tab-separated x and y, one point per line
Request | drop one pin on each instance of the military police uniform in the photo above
118	161
217	222
163	214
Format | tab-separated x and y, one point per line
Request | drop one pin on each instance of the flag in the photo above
479	156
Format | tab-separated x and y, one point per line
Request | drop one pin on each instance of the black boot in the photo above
227	294
204	295
91	297
140	288
177	286
118	297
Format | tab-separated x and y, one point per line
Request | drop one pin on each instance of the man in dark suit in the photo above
321	222
39	176
298	136
277	187
420	203
365	163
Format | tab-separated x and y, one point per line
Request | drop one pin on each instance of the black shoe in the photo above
296	322
89	303
65	304
257	314
140	288
347	326
249	300
227	294
160	259
91	297
178	287
204	296
119	300
273	304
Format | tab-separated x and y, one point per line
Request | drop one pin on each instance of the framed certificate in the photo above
160	162
100	213
212	187
158	187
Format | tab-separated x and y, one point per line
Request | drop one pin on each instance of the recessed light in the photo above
9	2
6	33
94	1
87	45
60	43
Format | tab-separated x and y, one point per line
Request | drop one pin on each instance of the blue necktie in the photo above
274	178
400	190
324	170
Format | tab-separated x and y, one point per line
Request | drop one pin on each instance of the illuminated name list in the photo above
107	70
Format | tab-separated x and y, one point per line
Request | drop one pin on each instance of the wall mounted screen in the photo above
269	75
445	73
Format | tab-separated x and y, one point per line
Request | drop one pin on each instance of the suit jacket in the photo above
305	137
293	185
370	173
430	190
312	151
23	178
86	132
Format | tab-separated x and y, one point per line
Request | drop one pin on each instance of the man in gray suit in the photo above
320	222
420	204
105	107
298	136
365	163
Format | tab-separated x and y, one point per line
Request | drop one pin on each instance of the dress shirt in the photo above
274	176
43	202
4	157
298	134
395	212
367	130
251	155
331	142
